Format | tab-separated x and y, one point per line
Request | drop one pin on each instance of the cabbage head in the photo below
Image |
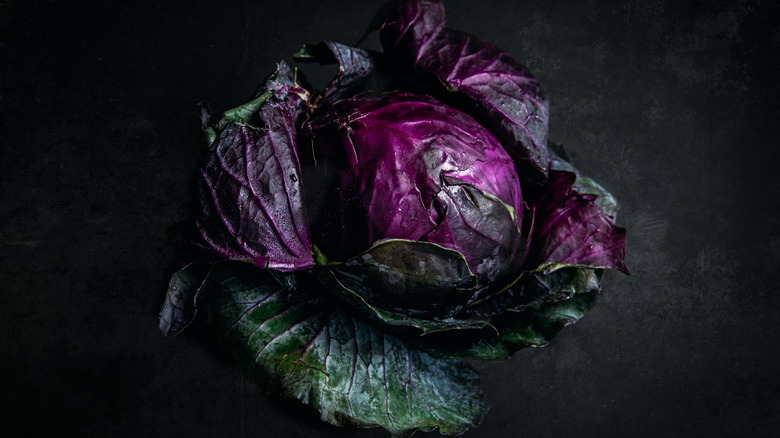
365	238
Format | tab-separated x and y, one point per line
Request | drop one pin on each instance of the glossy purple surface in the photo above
390	157
500	91
570	229
250	188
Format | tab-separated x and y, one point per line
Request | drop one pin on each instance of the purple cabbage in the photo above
401	166
415	194
298	175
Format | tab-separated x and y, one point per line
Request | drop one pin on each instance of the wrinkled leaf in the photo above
355	67
351	372
483	229
533	328
585	185
413	278
544	305
179	308
248	113
501	92
394	320
250	188
604	199
571	229
535	289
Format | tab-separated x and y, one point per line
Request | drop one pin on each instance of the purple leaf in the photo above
250	189
481	228
495	88
570	229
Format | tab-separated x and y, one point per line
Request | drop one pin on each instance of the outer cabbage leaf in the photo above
570	229
536	309
531	328
582	184
250	188
501	92
534	289
413	278
392	321
355	67
179	308
406	284
307	348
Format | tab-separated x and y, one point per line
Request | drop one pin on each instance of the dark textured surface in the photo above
673	108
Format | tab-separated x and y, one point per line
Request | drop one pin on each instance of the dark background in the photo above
673	107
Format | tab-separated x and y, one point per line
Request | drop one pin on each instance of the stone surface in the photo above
672	108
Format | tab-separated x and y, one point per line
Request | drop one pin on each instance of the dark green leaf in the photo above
535	289
542	306
395	319
410	277
246	114
351	372
179	308
534	328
